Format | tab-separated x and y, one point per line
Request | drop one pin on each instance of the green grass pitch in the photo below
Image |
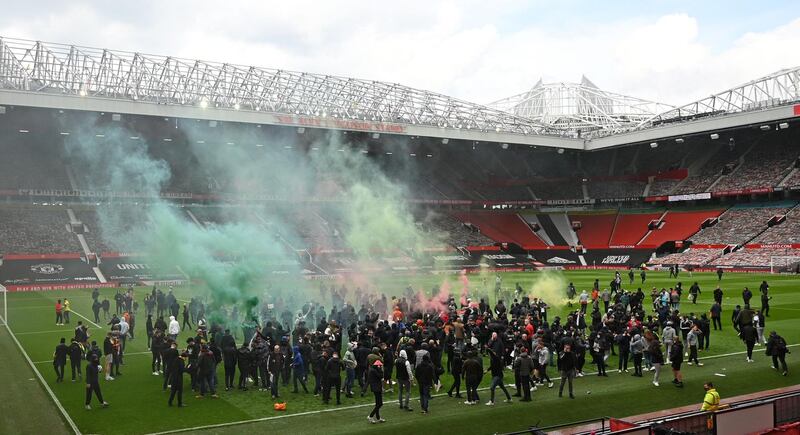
139	406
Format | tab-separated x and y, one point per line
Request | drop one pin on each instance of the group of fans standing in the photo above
412	340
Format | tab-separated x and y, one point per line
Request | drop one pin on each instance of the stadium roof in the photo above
580	108
563	115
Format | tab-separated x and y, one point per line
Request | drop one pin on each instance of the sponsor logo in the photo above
499	257
47	269
615	259
559	260
450	258
132	266
86	278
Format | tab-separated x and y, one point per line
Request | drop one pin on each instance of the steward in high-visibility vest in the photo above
711	400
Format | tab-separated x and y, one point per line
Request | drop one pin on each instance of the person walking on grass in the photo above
749	336
205	371
676	359
567	363
656	359
405	376
496	369
473	372
60	359
93	370
456	369
777	349
692	340
186	323
76	353
176	371
298	370
375	382
425	374
524	365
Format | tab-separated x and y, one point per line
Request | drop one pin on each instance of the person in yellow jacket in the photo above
67	310
711	400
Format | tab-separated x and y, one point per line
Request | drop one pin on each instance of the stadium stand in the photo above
662	187
785	232
794	179
756	257
36	230
457	233
596	228
503	227
30	162
677	225
764	166
738	225
691	256
724	159
631	227
557	189
616	189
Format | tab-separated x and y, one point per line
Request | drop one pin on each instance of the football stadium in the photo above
206	247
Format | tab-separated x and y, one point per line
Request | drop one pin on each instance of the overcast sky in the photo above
668	51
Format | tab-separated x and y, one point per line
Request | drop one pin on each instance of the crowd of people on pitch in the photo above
389	345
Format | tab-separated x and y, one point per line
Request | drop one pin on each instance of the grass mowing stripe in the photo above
364	405
52	331
124	355
85	318
42	381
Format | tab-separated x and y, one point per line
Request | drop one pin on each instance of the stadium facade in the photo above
563	175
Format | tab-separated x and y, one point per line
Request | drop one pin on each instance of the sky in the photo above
673	52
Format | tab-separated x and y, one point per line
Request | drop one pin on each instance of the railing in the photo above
534	430
783	408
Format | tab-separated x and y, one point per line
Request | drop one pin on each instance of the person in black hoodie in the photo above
456	368
148	329
375	382
425	374
229	358
361	354
676	358
75	358
168	357
60	359
275	368
96	311
567	363
93	370
333	375
496	369
473	371
243	357
176	370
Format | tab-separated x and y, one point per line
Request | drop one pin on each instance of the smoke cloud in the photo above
550	286
323	180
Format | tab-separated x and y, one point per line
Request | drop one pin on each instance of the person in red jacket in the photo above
59	313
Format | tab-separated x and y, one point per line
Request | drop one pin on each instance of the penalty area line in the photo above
42	381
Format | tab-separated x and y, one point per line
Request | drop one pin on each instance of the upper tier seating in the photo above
678	225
